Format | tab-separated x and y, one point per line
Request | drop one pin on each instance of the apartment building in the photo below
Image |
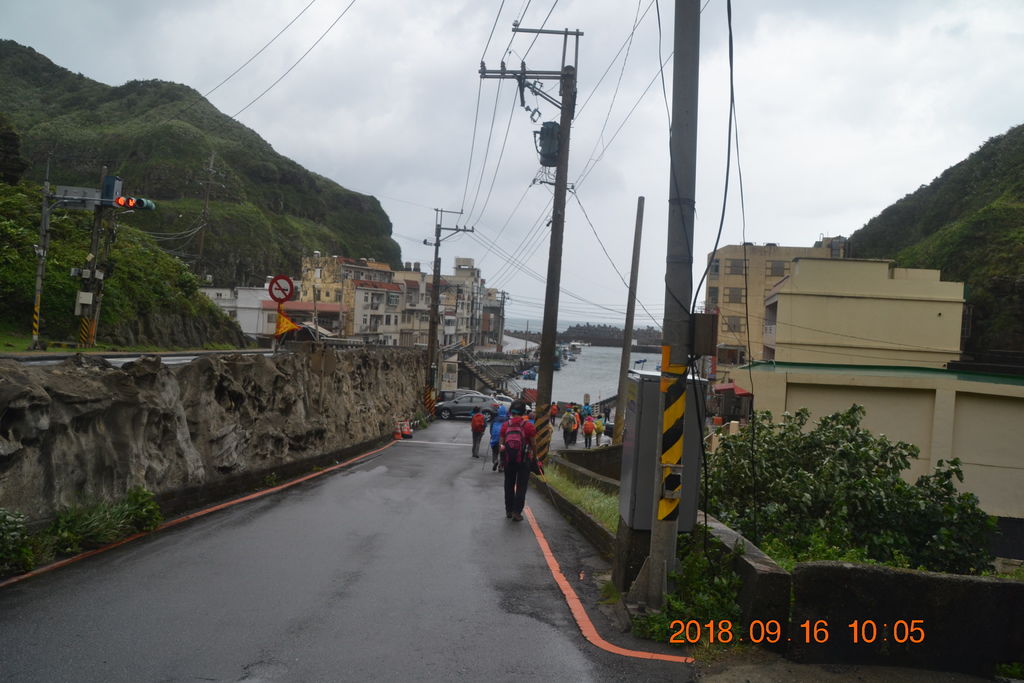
392	307
863	312
735	268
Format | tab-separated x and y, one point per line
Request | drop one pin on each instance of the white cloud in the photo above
843	108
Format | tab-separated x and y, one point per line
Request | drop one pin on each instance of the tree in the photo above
12	165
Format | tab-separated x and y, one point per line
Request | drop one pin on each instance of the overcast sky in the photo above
843	108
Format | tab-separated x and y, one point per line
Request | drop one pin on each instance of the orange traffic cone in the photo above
406	429
397	435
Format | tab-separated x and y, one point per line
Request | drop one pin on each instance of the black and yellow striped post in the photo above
673	390
84	328
428	400
544	431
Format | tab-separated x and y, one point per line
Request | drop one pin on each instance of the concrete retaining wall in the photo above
85	430
967	623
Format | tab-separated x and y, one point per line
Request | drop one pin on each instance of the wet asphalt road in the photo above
400	568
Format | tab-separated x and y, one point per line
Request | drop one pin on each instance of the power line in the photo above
317	42
608	256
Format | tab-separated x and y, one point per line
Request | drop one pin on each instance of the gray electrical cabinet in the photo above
641	447
640	476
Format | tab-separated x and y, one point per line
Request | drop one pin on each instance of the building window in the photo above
733	295
732	355
387	319
776	268
319	273
366	319
735	266
713	268
712	296
733	323
392	299
271	317
366	297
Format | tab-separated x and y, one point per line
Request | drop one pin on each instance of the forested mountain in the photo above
969	223
265	210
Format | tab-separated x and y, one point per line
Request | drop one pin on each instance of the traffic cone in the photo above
406	429
397	435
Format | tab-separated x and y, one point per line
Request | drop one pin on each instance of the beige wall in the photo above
864	312
945	414
760	278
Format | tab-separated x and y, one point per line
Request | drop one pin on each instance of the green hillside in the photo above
150	298
265	210
969	223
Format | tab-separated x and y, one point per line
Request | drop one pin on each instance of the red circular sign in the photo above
281	288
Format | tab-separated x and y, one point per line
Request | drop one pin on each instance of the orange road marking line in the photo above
193	515
579	613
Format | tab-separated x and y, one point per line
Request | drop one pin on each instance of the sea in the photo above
595	371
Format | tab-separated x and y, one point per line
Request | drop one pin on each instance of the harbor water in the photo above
595	371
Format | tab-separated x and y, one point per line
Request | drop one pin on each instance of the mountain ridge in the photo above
265	210
968	223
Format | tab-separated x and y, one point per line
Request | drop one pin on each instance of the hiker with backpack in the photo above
517	449
588	431
478	425
566	425
599	428
496	425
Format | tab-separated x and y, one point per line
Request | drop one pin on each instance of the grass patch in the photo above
76	529
604	507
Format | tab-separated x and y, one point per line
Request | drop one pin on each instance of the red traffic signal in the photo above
133	203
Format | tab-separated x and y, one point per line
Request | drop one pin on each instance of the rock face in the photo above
175	330
85	430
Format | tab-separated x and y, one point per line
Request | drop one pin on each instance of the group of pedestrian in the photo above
512	434
576	419
512	440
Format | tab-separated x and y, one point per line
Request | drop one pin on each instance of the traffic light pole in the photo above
433	365
567	92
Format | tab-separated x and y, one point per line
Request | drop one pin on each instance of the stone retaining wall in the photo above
85	430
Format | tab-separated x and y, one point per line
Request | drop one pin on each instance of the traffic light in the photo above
134	203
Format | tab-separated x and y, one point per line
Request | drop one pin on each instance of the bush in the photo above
15	552
96	525
838	487
703	587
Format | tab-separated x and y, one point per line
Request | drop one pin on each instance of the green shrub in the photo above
704	587
837	488
15	552
91	526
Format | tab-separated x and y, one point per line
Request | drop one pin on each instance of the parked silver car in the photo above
463	406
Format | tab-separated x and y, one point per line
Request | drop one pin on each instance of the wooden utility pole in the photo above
627	337
433	365
567	91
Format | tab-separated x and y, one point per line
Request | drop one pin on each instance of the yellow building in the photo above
971	416
735	267
862	312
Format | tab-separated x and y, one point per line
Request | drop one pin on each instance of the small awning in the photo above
731	386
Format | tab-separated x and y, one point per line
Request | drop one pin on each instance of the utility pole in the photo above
567	91
677	341
433	366
205	216
90	276
627	337
501	326
41	249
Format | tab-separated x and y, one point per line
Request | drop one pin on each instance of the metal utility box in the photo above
641	445
640	476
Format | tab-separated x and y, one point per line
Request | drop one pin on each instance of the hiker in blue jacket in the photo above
496	423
